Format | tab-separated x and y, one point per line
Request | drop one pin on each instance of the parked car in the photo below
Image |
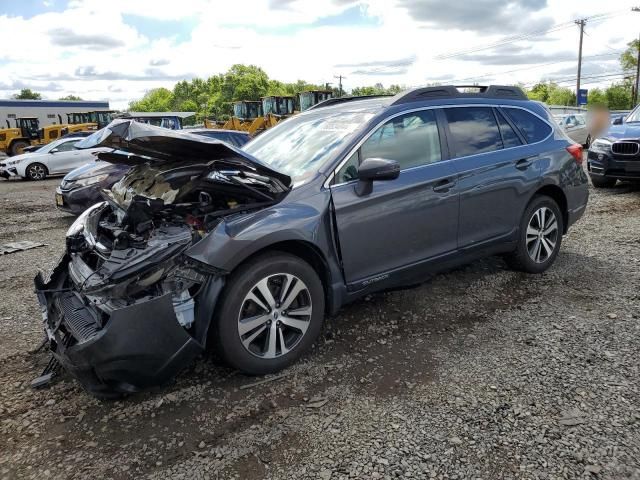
202	245
576	127
82	187
81	134
55	158
616	154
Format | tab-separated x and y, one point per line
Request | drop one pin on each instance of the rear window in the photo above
532	127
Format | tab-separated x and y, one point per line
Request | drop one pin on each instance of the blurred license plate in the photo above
59	201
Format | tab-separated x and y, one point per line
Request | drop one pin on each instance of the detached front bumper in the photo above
124	350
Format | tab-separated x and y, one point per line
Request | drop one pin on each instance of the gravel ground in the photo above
481	373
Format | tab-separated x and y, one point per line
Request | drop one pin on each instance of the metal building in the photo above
48	112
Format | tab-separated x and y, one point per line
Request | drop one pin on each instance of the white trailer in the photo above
48	112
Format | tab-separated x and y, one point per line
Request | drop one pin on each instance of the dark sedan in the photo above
81	187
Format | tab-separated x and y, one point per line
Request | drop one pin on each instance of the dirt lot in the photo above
480	373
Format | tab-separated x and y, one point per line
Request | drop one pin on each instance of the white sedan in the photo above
55	158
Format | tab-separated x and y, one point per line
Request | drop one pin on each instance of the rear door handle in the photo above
444	185
523	163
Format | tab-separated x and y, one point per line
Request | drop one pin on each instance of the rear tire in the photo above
17	147
259	334
603	182
539	238
36	171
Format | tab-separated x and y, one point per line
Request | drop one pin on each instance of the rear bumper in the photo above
604	165
123	350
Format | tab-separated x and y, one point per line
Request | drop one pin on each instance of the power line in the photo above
587	77
532	67
595	18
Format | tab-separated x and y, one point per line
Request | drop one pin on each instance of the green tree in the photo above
597	97
156	100
71	97
377	89
560	95
619	96
27	94
539	92
629	58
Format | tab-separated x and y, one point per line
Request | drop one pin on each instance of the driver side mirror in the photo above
618	121
375	169
55	150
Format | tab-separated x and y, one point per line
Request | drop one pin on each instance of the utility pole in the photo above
635	93
582	23
339	77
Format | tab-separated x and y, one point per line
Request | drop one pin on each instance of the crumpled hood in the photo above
157	144
626	130
93	169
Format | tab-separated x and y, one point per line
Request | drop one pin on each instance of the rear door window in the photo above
473	130
533	128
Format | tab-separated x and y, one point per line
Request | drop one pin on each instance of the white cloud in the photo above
90	51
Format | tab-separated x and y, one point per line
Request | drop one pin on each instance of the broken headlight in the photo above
79	225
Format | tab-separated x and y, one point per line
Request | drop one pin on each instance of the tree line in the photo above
213	97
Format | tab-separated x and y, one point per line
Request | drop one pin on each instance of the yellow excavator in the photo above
255	116
28	132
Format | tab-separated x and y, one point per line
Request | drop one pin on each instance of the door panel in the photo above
494	189
401	222
494	184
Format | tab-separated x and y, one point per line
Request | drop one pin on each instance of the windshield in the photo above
634	117
302	144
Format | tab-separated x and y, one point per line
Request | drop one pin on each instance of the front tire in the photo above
540	236
36	171
603	182
271	312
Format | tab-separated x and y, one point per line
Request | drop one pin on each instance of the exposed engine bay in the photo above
124	268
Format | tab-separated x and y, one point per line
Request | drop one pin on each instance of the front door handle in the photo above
523	164
444	185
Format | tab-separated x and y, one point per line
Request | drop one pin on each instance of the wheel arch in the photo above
26	168
306	251
556	193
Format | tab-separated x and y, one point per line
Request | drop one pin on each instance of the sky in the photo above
117	50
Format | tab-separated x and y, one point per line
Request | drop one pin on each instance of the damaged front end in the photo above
126	307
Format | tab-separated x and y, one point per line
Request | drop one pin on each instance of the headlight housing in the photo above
78	226
82	181
601	145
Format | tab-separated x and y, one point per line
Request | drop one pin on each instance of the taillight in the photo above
576	152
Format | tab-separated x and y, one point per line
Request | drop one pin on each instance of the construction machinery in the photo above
312	97
28	132
255	116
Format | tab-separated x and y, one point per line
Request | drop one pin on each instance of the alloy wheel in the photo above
37	172
542	234
274	316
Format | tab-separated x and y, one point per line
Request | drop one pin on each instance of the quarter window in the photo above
533	128
509	136
473	130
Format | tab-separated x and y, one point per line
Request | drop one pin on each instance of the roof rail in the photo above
454	91
335	101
